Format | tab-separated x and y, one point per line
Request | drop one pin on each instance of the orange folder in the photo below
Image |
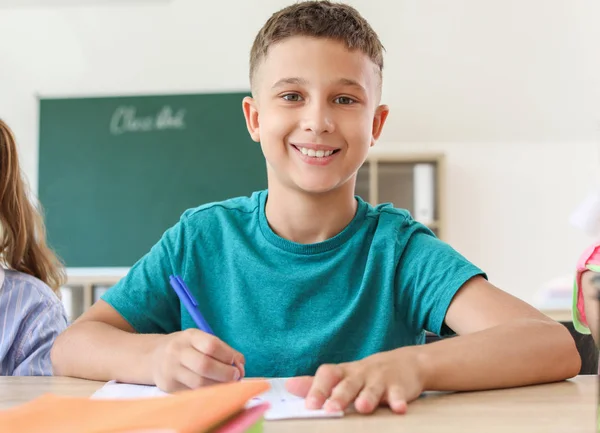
191	411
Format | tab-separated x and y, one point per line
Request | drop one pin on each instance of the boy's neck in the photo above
307	218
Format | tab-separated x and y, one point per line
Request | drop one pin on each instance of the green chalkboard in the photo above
116	172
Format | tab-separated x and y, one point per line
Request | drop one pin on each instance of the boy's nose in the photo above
317	119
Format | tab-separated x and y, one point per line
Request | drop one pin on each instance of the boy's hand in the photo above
191	359
393	377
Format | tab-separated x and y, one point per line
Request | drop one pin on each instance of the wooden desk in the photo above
568	406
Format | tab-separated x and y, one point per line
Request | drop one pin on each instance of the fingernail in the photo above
333	406
398	406
312	403
236	374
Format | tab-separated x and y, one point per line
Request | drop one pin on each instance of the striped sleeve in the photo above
31	318
33	354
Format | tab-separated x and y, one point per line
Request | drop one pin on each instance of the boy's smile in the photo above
316	154
315	112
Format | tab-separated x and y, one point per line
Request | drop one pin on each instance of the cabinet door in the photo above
395	184
410	186
363	179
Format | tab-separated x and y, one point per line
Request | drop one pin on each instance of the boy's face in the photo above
315	112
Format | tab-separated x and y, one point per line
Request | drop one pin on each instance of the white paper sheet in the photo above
283	404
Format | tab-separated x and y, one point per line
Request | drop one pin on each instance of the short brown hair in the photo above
319	19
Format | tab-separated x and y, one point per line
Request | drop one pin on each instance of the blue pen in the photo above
189	303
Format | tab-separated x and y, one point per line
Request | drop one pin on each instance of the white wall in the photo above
508	89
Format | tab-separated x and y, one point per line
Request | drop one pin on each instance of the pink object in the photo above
589	260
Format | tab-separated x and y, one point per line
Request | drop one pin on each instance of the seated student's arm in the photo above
502	342
134	333
102	345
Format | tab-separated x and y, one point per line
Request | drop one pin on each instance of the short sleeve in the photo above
429	274
144	297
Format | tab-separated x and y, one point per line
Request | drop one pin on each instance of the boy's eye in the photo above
344	100
292	97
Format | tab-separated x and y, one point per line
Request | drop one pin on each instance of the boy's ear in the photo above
381	114
251	114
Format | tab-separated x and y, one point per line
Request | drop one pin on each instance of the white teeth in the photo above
315	153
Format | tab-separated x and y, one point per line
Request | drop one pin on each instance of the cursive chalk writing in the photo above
125	119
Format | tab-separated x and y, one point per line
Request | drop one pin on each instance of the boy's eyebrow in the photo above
290	80
349	82
302	82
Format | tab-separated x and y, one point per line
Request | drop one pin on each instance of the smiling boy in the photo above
305	279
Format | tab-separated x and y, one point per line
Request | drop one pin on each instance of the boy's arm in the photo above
503	342
133	334
107	348
107	345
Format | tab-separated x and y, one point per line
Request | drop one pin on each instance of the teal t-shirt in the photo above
289	307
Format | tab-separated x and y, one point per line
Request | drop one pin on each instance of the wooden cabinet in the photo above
410	181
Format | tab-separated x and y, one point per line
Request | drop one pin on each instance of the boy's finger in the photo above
326	378
191	380
240	366
396	399
299	385
208	367
215	348
369	398
344	393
